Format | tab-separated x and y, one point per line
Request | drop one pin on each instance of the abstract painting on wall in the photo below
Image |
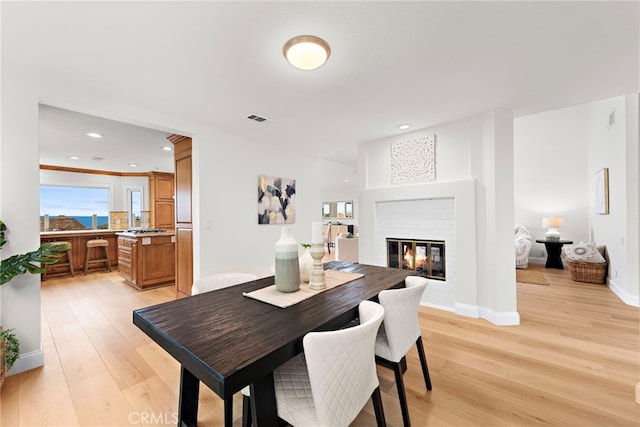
276	200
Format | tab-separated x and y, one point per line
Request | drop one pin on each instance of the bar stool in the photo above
69	262
97	243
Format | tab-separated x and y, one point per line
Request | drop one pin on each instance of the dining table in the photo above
227	340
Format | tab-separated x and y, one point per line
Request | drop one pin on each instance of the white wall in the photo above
616	147
550	173
19	207
227	234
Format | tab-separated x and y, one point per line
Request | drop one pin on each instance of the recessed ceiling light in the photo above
134	165
166	148
306	52
74	157
94	135
404	126
346	180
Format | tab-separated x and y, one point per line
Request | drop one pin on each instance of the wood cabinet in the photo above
147	260
161	202
78	240
184	225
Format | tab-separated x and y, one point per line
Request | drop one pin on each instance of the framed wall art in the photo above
602	191
276	200
413	160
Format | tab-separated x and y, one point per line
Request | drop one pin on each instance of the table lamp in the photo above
552	223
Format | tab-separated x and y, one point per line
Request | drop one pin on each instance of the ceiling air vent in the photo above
257	118
97	159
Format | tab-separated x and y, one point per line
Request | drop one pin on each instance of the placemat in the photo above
270	295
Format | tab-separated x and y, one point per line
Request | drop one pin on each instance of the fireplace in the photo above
427	257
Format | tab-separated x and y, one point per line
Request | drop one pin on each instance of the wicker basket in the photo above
589	272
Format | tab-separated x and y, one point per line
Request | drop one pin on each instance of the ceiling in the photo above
214	63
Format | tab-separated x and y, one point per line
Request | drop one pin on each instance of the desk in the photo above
554	248
228	341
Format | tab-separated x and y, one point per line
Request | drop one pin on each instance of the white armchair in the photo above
523	246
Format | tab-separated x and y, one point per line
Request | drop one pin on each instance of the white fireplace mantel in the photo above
461	294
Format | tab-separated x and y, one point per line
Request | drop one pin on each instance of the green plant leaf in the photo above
11	347
47	253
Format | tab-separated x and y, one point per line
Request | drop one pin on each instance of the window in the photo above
134	199
73	208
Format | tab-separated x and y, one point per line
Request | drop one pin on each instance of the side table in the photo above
554	249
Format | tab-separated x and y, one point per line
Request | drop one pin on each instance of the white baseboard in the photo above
28	361
497	318
500	318
467	310
436	306
633	300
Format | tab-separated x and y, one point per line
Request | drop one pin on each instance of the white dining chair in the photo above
219	281
211	283
332	380
400	330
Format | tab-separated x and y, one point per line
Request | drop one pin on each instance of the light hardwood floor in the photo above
573	361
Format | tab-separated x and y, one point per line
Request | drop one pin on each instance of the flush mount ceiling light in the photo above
94	135
166	148
134	165
404	126
306	52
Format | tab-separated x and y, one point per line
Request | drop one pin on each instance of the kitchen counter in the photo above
147	259
138	234
78	240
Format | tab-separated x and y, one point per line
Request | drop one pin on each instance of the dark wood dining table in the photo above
228	341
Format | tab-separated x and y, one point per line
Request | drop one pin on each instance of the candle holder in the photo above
316	278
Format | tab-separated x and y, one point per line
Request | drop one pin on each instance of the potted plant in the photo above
9	351
47	253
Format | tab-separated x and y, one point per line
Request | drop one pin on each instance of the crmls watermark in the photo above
153	418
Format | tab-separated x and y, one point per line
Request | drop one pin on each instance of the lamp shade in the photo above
306	52
552	222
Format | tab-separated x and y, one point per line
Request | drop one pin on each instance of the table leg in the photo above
188	405
263	402
553	256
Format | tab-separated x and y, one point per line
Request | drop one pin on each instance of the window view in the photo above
135	206
73	208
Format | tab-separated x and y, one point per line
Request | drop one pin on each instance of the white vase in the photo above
306	265
287	277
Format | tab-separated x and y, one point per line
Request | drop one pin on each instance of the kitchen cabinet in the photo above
184	225
161	201
147	260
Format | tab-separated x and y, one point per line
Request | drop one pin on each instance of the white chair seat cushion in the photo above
382	344
294	398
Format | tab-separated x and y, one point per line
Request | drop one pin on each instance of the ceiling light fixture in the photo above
74	157
404	126
134	165
306	52
94	135
166	148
